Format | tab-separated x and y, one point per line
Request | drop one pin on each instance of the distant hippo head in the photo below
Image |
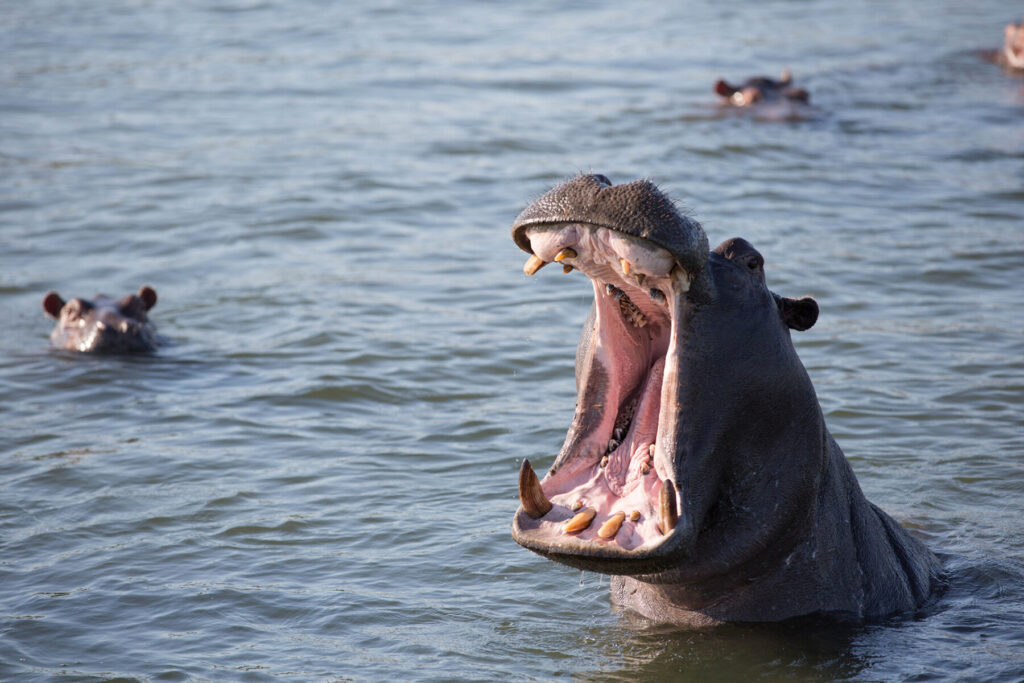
761	90
103	324
1012	54
697	469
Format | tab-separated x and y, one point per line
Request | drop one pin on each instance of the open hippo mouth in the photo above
610	501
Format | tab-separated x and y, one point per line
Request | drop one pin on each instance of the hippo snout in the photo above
637	209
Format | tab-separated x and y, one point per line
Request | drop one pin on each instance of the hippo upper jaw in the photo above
622	456
637	209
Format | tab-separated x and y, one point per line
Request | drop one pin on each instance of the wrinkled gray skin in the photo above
772	522
103	324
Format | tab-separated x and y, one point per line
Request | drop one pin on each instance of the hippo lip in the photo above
609	502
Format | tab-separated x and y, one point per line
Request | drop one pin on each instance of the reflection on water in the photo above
315	477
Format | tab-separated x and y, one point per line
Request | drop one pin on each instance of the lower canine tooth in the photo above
668	515
580	522
611	527
531	495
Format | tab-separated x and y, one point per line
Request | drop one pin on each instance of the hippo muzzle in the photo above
697	460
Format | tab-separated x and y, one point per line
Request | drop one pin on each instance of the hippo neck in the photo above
840	566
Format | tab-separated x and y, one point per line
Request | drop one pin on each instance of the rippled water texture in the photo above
316	478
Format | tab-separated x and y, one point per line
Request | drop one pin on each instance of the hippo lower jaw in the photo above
610	501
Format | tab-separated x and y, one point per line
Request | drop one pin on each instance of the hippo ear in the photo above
52	303
799	314
148	296
724	89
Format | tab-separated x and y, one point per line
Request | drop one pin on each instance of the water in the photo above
315	479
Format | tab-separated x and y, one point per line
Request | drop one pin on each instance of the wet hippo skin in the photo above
698	470
103	324
769	98
1011	55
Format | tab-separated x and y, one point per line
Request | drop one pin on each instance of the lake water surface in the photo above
315	479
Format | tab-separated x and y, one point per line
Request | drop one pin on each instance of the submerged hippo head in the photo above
762	90
1012	54
103	324
697	468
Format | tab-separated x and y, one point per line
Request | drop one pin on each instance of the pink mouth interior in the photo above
614	467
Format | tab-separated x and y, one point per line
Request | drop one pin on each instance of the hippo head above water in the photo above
776	98
103	324
1011	56
698	470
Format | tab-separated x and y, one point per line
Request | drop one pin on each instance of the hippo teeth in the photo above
612	526
531	495
580	521
668	515
630	311
533	264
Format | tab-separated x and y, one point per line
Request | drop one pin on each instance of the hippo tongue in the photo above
610	493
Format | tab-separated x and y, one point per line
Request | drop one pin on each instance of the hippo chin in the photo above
769	98
698	470
103	324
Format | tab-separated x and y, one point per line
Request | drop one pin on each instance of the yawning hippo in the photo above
1011	56
698	470
775	99
102	323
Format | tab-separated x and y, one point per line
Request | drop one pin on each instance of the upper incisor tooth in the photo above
611	527
533	264
568	252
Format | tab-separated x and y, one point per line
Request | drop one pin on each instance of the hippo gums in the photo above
771	98
103	324
698	470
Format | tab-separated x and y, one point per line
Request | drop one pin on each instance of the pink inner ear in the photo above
52	303
148	296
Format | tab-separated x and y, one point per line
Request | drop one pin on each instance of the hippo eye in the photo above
754	263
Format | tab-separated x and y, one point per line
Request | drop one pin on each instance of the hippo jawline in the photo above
609	502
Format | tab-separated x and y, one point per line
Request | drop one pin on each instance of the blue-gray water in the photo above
315	480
